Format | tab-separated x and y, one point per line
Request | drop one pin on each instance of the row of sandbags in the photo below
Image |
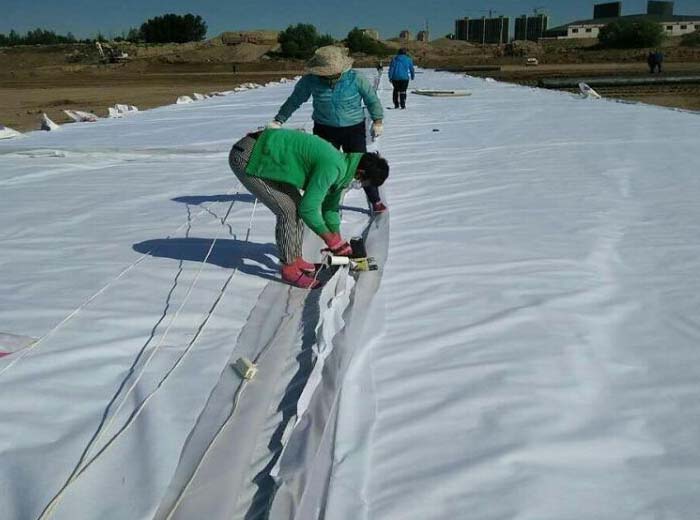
184	100
120	110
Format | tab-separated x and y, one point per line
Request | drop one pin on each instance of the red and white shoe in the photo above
296	277
379	207
306	267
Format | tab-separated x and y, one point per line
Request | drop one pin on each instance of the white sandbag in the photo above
588	92
184	100
8	133
81	117
47	124
125	109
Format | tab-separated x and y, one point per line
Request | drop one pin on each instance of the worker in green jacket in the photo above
338	93
274	165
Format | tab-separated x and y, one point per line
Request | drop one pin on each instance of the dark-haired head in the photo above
373	169
402	51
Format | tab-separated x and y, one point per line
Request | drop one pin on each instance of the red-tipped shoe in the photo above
306	267
379	207
296	277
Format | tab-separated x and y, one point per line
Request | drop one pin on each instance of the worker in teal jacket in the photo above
274	165
338	93
400	71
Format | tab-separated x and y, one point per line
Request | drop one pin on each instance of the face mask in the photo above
331	80
356	184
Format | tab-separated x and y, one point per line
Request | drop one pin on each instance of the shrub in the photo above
301	40
358	41
626	34
691	40
173	28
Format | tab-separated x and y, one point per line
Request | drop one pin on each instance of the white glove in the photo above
377	129
274	124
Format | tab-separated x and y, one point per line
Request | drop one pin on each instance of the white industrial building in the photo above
659	12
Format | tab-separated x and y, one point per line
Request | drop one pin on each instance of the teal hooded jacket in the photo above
336	104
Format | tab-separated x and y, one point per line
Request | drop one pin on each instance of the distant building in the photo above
609	10
462	29
659	12
423	36
531	27
660	8
483	30
405	35
372	33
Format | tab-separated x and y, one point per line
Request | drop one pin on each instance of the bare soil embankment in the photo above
51	79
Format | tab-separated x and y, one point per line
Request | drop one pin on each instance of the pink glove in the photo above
336	244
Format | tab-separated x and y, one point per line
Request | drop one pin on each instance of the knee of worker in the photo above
284	207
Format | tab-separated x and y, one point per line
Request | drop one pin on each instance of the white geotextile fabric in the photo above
540	357
105	229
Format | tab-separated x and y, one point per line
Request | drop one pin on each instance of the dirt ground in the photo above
685	96
50	79
23	100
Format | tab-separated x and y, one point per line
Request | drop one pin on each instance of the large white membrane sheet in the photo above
540	356
130	263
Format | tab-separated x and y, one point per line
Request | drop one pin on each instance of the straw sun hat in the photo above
329	61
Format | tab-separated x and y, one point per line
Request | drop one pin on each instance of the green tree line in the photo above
625	34
168	28
301	40
35	37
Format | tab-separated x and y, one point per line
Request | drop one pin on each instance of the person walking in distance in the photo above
338	93
274	165
400	71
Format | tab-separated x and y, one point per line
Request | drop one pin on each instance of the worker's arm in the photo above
313	208
369	96
331	210
301	94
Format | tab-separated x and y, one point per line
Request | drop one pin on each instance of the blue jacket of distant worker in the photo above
401	68
336	103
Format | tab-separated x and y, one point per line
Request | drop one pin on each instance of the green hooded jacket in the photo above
310	164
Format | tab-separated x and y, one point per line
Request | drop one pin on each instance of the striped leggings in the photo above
282	199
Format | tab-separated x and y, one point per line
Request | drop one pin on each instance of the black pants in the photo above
350	139
400	87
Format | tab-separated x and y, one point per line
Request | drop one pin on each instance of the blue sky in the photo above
85	18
